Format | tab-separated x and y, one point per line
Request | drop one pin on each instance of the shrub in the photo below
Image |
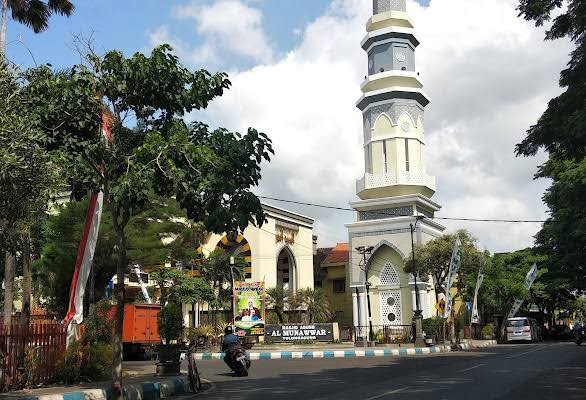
205	331
488	331
85	362
432	326
170	322
99	324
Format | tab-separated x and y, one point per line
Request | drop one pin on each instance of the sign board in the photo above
249	308
287	333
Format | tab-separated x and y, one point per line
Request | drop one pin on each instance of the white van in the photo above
522	329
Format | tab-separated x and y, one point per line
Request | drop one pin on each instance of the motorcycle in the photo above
579	337
237	361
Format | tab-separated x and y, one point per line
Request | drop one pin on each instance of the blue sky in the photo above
125	25
296	68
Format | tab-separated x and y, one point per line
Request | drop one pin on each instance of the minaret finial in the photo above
381	6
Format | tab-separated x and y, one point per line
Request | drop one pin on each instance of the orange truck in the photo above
140	332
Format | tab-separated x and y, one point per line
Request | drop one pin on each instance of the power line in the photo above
401	215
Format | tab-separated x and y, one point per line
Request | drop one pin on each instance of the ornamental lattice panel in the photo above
389	275
390	307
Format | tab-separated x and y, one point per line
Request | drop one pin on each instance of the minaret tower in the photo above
396	189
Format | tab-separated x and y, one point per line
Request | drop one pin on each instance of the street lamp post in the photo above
419	342
233	299
364	251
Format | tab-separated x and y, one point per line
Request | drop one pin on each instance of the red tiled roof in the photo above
338	255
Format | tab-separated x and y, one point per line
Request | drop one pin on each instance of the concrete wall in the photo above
340	301
265	249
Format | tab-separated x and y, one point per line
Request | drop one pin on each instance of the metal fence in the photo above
385	334
473	332
346	333
30	354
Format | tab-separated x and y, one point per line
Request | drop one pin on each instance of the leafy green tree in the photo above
170	322
433	259
219	273
33	13
504	277
54	270
560	131
178	287
563	235
160	234
27	177
209	172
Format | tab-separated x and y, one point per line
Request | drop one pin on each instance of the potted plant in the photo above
170	322
488	332
176	287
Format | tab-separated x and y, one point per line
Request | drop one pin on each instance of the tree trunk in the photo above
9	269
27	280
3	28
117	347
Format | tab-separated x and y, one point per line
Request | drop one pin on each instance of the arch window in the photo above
389	275
237	245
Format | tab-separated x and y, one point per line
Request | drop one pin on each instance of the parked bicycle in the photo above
192	371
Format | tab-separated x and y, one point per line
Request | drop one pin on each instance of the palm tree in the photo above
33	13
317	305
277	298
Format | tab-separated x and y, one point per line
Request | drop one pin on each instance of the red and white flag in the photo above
86	249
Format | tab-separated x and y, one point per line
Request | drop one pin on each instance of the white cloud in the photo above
226	26
489	75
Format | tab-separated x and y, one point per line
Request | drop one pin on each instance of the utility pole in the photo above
364	266
419	342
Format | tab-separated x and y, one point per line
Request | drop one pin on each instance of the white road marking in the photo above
526	352
387	393
468	369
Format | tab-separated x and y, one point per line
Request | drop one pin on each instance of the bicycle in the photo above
192	371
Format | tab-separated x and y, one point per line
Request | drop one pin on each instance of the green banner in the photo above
249	308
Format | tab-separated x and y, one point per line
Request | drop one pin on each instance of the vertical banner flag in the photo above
475	319
85	253
529	279
454	267
249	299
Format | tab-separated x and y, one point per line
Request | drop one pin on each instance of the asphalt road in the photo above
523	372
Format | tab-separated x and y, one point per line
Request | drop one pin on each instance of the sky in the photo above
296	68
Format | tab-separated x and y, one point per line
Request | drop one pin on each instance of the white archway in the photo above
286	269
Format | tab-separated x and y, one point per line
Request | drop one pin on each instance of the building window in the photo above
385	159
407	155
339	285
368	163
134	279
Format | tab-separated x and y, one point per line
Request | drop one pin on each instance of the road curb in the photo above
346	353
154	390
468	346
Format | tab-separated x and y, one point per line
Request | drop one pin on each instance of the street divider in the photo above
343	353
153	390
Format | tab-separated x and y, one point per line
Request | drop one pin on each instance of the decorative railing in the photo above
370	181
385	334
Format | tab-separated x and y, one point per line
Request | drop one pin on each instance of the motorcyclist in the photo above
577	329
230	341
